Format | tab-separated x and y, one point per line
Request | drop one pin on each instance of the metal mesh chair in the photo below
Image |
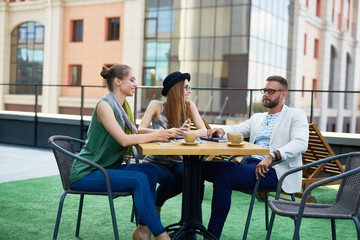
64	151
345	206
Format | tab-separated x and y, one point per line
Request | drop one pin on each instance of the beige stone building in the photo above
222	43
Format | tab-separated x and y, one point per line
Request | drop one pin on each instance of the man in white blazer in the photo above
283	129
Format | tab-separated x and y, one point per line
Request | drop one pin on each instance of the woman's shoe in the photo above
141	233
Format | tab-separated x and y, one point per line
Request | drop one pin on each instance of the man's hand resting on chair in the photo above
263	166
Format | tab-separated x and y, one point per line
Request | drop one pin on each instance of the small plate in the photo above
193	143
235	144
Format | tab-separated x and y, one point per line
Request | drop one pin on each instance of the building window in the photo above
305	38
27	57
75	74
348	15
315	87
316	48
151	28
113	29
318	8
77	31
303	86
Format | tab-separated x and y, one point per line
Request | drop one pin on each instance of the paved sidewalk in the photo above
22	162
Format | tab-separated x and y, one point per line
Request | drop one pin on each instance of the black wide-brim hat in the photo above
171	79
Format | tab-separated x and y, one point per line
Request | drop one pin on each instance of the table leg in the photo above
190	224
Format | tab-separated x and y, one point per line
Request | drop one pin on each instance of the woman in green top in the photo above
110	135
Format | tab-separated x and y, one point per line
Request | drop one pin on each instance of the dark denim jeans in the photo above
170	180
141	178
228	176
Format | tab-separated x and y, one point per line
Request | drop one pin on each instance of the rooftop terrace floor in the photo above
21	162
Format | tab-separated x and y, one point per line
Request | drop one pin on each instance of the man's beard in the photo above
272	103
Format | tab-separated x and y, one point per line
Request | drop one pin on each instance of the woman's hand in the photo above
186	125
174	131
162	135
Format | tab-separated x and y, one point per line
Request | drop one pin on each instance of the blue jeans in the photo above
141	178
170	180
228	176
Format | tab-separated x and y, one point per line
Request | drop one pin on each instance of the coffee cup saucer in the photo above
235	144
189	143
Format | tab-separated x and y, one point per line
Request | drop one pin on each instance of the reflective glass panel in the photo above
223	21
240	20
161	72
207	22
165	24
163	51
150	51
239	45
222	48
205	74
176	25
208	3
240	2
206	48
150	28
223	2
39	34
151	5
192	22
253	52
191	49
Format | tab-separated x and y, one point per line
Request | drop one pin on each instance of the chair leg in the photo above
57	224
296	235
79	215
132	214
293	197
134	211
357	225
251	209
113	217
266	210
272	218
333	229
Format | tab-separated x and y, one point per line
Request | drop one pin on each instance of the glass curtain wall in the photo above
27	55
270	41
216	42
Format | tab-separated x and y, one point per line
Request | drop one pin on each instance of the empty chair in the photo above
64	151
346	203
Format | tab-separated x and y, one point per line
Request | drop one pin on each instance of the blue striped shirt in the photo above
263	136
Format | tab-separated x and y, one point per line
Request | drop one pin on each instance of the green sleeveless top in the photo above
100	147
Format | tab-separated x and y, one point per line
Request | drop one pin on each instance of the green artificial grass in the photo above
28	210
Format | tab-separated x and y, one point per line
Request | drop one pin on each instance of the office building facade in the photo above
222	43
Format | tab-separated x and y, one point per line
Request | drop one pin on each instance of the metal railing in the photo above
83	87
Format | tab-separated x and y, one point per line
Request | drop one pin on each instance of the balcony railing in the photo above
249	98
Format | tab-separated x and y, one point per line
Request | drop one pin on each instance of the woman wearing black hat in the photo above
175	113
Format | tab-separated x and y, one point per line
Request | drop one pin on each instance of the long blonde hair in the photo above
175	105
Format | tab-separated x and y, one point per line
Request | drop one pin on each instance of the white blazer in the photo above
290	137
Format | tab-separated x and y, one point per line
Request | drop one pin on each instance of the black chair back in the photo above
348	196
60	144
